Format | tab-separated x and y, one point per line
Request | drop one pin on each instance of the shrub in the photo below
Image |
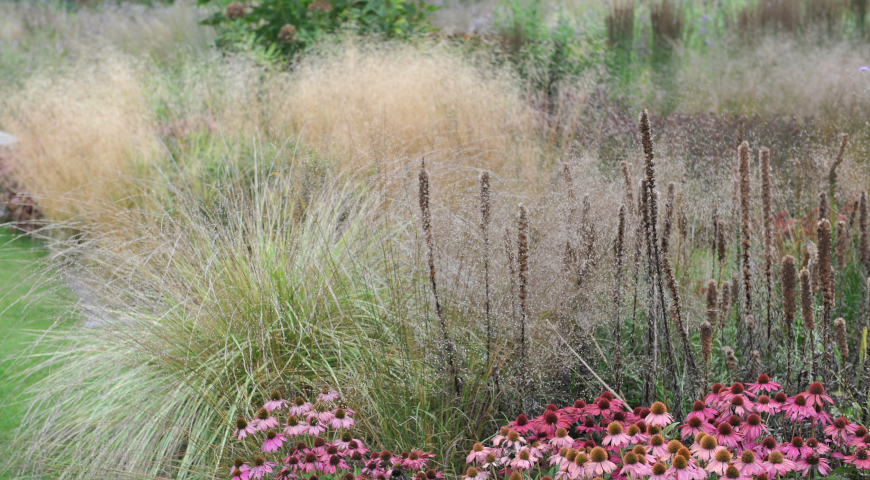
289	26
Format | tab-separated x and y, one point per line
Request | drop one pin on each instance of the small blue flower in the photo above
863	69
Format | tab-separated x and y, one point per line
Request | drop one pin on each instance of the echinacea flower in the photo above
777	464
763	384
749	464
752	428
694	426
726	435
699	409
740	405
240	475
551	421
602	407
327	394
616	436
633	468
275	401
599	462
816	395
341	419
860	459
813	463
798	408
734	473
589	426
635	435
840	430
474	474
300	407
658	449
239	464
332	465
314	427
861	438
763	405
295	427
273	442
706	448
478	453
659	472
521	425
659	415
576	468
514	440
682	469
795	449
720	462
819	448
713	399
562	439
243	428
523	460
264	421
261	467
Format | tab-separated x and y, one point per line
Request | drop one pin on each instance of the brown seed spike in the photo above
840	336
823	232
626	177
712	297
823	205
720	241
841	245
724	303
523	262
788	290
706	342
807	301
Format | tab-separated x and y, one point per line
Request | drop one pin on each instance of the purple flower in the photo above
863	69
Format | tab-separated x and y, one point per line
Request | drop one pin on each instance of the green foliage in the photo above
274	27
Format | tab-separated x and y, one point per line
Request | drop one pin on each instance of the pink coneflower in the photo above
599	462
522	425
493	461
734	473
327	394
576	466
839	431
737	390
333	464
291	465
478	453
602	407
861	437
813	463
820	416
523	460
514	440
659	472
682	469
694	426
589	427
295	427
726	435
313	427
700	410
740	405
659	416
766	446
816	395
300	407
261	467
777	464
778	402
658	449
720	462
817	447
705	449
797	408
562	439
616	436
341	419
763	405
551	421
795	449
633	468
240	475
860	460
239	464
264	421
501	437
243	428
273	442
635	436
275	401
474	474
713	398
763	384
749	464
752	428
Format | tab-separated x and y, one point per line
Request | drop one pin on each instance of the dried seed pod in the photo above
788	290
712	297
807	301
706	341
826	273
724	303
840	336
721	231
745	219
823	205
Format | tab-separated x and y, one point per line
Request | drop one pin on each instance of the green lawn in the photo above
26	309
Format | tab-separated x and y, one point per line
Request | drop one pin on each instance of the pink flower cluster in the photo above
314	441
729	434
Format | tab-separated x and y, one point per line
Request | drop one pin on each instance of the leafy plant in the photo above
290	26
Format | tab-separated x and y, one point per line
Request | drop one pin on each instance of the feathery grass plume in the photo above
863	234
626	178
587	232
651	370
485	217
832	173
617	296
523	272
569	185
724	304
649	157
840	337
840	247
767	216
823	205
788	306
426	220
826	275
807	318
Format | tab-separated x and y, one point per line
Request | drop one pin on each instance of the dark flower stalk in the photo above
745	219
523	261
768	232
650	374
789	307
485	217
426	220
617	296
826	275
